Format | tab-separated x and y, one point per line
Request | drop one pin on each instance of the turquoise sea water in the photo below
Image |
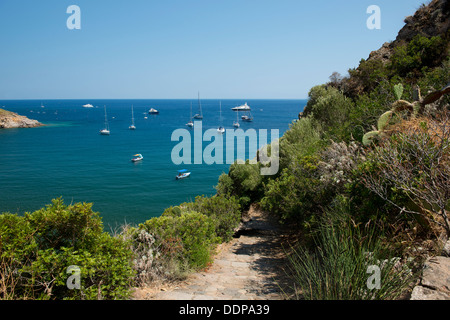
69	158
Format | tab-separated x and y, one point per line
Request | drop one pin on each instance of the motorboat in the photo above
244	107
137	157
88	105
153	111
247	117
182	174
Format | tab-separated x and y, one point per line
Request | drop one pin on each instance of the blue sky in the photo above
227	49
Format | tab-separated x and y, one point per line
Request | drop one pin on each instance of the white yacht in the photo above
244	107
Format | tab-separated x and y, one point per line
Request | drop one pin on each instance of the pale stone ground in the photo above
251	267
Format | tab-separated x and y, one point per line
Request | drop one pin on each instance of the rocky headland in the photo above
10	119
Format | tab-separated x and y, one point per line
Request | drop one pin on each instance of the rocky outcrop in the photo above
429	21
435	280
10	119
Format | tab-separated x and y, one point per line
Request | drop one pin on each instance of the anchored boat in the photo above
182	174
137	157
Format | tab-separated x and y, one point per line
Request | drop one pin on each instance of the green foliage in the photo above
196	234
244	181
409	59
296	195
329	107
224	211
337	267
304	138
43	244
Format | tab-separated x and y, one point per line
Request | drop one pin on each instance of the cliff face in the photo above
10	119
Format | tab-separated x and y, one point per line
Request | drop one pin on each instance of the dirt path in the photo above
250	267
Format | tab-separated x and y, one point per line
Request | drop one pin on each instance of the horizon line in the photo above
93	99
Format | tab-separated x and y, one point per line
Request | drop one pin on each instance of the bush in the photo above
42	245
224	211
296	195
330	108
409	59
243	181
190	237
304	138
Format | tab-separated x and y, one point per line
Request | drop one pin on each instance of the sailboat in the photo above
199	115
132	127
220	129
236	123
190	123
105	131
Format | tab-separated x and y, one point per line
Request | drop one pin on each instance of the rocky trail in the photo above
252	266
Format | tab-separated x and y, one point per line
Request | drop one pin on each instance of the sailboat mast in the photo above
106	120
199	104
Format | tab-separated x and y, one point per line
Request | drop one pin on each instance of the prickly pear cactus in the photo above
398	91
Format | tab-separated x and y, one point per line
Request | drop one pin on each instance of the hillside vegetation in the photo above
364	180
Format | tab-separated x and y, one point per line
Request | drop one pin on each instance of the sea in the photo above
68	158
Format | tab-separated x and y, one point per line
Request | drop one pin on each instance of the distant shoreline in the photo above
10	120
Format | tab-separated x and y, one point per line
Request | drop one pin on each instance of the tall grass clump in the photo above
341	264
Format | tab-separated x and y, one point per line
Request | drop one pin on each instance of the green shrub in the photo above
304	138
409	59
195	232
224	211
296	195
243	181
43	244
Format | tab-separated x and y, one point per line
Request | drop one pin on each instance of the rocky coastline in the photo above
10	120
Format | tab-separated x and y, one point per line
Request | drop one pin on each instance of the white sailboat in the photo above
199	115
190	123
220	129
105	131
132	127
236	123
